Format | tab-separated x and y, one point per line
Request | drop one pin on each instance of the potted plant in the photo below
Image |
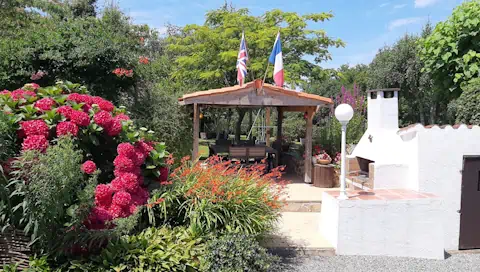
323	158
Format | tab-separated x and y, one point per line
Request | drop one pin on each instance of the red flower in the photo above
139	158
66	111
163	174
140	197
130	182
67	128
116	211
143	147
103	104
122	117
35	142
101	215
80	118
123	163
35	127
19	94
86	108
45	104
128	73
126	149
89	167
136	171
103	195
143	60
103	118
121	199
114	128
6	93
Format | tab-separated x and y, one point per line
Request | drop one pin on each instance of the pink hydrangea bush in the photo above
43	114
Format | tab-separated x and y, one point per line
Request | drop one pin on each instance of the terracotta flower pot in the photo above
324	162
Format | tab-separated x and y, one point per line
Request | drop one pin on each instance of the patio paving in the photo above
298	233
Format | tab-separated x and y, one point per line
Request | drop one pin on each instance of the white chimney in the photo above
382	111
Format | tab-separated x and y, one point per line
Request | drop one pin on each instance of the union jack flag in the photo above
242	61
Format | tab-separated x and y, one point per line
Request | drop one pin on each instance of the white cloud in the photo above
404	21
425	3
399	6
384	4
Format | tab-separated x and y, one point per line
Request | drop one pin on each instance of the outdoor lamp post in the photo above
343	113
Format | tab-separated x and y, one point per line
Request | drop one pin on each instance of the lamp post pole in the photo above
343	113
343	192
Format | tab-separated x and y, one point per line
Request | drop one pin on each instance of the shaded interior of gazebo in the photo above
257	95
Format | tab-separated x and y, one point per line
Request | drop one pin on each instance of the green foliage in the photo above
237	253
207	53
8	138
452	53
54	194
399	66
468	104
154	249
293	127
328	136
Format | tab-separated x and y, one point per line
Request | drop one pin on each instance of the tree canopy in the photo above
207	53
452	53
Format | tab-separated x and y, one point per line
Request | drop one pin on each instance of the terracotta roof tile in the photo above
251	84
456	126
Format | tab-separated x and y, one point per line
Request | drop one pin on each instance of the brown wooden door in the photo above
470	204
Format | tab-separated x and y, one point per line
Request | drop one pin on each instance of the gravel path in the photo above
455	263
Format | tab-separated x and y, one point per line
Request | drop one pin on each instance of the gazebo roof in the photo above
251	94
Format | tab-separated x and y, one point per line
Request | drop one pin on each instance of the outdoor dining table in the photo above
224	149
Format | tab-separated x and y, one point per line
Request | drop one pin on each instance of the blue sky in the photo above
365	25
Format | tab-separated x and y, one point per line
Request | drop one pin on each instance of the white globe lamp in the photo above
344	114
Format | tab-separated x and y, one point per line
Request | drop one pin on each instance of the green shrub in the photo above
153	249
8	137
49	194
220	196
328	137
237	253
294	127
467	106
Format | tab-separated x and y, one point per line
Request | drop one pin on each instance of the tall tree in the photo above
452	53
207	53
399	66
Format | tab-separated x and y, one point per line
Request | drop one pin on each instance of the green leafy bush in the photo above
452	52
328	137
237	253
294	126
8	137
153	249
467	106
220	196
49	194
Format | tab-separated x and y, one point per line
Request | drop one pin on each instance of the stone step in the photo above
302	206
298	234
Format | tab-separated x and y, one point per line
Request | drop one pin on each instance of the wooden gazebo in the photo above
253	95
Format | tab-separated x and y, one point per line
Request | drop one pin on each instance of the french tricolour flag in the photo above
277	59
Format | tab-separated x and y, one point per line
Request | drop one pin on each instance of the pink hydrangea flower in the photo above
117	211
121	199
123	163
45	104
126	149
89	167
66	128
103	118
114	128
35	127
103	104
163	174
103	195
122	117
80	118
66	111
35	142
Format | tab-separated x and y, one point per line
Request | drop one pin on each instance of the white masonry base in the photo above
366	225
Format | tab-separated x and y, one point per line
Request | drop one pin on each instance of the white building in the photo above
432	179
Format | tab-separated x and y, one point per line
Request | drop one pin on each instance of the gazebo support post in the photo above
308	146
267	123
279	124
196	130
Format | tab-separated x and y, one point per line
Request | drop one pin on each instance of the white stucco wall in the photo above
440	161
390	176
408	228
